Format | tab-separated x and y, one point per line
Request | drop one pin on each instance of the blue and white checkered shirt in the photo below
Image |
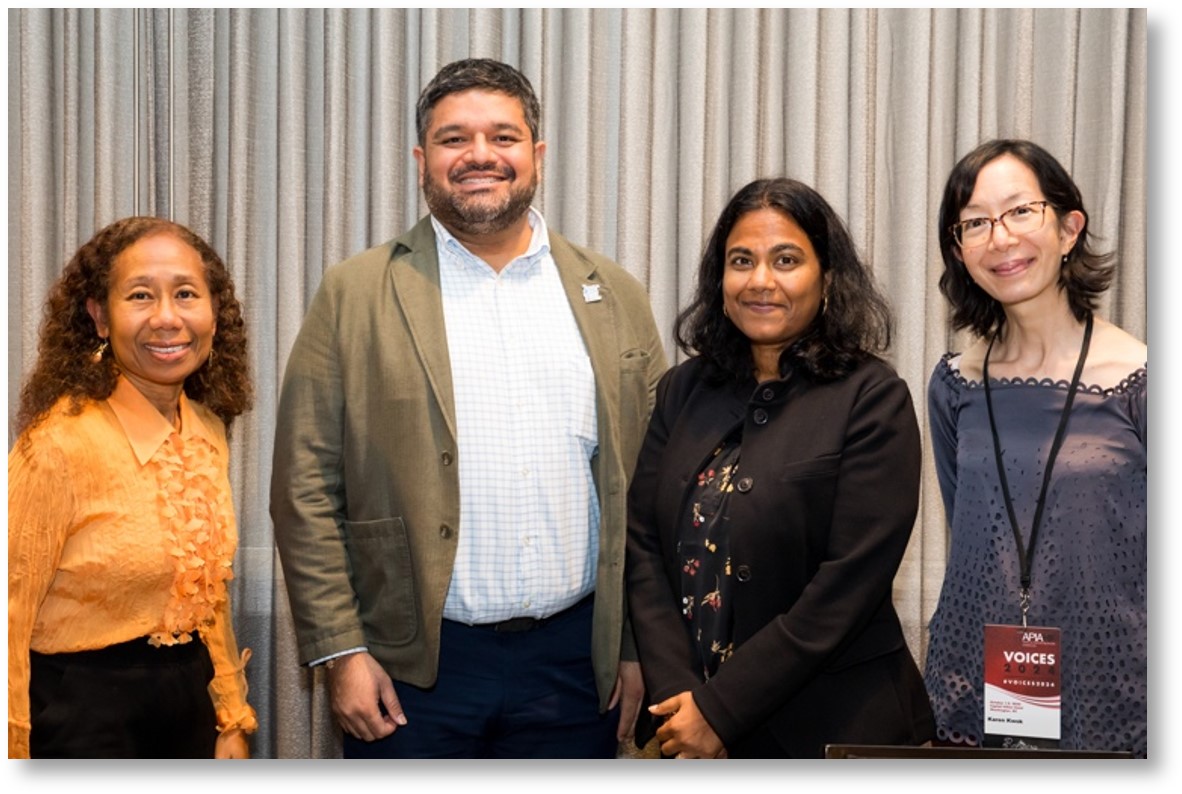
525	416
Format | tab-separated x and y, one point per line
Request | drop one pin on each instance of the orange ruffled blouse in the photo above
120	526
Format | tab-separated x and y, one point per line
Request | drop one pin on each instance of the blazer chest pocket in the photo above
383	579
634	404
825	466
807	489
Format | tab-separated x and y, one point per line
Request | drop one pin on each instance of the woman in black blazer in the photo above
773	500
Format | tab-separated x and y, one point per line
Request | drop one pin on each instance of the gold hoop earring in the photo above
97	356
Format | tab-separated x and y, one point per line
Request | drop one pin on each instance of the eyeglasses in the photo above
1022	219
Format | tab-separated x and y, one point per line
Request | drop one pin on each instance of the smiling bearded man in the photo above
458	422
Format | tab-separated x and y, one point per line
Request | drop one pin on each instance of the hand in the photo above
628	693
686	734
356	685
231	744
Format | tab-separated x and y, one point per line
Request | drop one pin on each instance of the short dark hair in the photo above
854	324
483	74
68	337
1085	274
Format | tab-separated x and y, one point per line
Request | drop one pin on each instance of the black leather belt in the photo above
529	624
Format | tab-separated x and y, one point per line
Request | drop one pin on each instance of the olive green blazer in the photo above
365	493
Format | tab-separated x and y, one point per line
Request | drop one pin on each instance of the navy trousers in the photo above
527	694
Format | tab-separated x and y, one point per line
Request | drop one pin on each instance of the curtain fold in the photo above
284	137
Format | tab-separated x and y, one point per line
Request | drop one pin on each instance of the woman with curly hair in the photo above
773	500
1040	437
121	523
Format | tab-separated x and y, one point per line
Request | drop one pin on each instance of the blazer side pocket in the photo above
383	578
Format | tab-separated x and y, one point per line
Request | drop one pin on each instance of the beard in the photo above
478	214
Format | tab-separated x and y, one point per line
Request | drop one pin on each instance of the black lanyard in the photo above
1026	555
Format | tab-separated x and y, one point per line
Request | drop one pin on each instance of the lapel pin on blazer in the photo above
591	293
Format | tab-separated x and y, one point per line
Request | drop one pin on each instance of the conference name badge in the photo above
1023	698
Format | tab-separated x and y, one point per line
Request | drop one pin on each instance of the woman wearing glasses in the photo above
1039	435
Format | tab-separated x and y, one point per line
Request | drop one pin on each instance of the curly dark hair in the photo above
68	338
1085	274
482	74
854	324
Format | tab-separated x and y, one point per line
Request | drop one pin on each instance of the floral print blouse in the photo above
703	549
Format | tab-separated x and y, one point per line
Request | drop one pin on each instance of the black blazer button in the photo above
768	394
759	416
743	573
744	484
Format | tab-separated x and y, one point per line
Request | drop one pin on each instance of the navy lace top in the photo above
1089	565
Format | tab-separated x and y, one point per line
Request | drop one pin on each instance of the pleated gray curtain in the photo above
284	137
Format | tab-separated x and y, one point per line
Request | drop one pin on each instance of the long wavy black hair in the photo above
68	338
1085	274
855	322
